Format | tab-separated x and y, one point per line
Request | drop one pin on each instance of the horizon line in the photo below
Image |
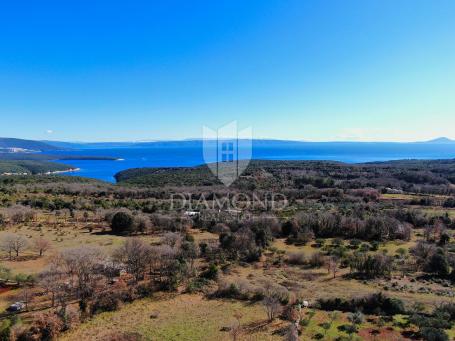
435	140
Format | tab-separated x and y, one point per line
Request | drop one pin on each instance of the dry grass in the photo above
182	317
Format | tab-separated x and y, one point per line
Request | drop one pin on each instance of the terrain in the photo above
28	167
293	250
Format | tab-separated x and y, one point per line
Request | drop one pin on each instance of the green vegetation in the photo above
31	167
352	253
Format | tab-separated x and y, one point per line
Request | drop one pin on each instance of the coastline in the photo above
70	170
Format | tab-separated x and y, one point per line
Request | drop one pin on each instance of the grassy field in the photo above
192	317
183	317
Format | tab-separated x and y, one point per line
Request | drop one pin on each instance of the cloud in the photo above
49	131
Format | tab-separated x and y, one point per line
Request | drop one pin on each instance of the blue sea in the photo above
190	154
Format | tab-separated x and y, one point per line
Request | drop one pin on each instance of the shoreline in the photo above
70	170
45	173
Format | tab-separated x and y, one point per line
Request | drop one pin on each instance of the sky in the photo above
366	70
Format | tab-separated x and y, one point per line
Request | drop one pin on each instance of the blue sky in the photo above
290	69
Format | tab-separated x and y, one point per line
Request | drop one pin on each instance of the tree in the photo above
332	266
12	242
272	306
20	243
273	295
7	243
135	254
80	264
41	245
189	252
122	223
49	281
438	264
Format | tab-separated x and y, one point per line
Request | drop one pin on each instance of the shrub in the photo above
317	260
122	223
5	330
195	285
45	326
355	243
106	301
144	290
211	273
297	258
434	334
375	304
126	296
438	264
448	309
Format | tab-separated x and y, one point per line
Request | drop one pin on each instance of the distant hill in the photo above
441	140
25	145
198	143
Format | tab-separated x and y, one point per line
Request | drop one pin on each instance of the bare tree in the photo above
19	244
18	214
332	266
80	266
41	245
26	296
273	295
272	306
52	279
135	254
12	242
7	243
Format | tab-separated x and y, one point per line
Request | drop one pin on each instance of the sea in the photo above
191	154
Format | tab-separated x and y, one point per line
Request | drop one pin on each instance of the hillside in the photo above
31	167
29	145
274	175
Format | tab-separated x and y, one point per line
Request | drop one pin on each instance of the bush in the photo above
126	296
297	258
434	334
106	301
376	304
438	264
229	291
196	285
144	290
317	260
211	273
447	309
46	326
5	330
122	223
